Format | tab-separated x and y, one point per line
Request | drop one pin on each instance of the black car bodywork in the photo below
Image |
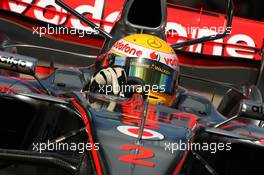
31	118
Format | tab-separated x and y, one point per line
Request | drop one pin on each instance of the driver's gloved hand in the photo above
108	81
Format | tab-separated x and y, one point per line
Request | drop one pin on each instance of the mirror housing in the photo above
18	63
251	109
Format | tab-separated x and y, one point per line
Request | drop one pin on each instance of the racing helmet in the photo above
150	59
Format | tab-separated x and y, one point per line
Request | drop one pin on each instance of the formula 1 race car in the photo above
52	125
59	130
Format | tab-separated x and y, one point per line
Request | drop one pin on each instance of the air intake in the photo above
145	13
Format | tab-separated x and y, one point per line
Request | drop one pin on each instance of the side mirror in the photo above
251	109
17	63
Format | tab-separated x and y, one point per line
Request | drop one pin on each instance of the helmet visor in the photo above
156	75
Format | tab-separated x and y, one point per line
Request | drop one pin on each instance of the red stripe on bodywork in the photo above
232	125
179	166
90	137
